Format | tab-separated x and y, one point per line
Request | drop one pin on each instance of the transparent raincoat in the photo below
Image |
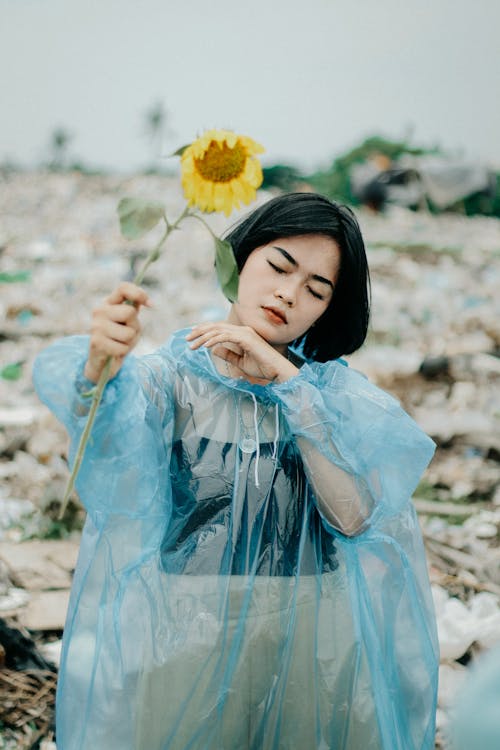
251	573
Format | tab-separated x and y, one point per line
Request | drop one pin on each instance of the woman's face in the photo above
285	286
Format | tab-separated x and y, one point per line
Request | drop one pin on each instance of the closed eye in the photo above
282	270
276	268
315	294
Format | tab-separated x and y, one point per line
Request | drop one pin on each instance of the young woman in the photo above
251	573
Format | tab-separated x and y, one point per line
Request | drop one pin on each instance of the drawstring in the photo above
257	441
276	431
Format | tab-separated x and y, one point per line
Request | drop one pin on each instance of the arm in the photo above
363	454
68	370
342	499
130	421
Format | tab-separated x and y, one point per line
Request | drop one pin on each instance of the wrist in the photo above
286	371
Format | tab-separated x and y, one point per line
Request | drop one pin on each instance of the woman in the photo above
251	572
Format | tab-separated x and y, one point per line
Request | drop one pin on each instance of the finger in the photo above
233	333
124	334
199	339
202	328
210	341
131	292
222	337
103	345
121	313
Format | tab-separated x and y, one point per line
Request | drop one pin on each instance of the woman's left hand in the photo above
248	354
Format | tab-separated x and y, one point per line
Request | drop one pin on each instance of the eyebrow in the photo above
292	260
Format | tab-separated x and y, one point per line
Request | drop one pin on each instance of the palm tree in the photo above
59	141
157	129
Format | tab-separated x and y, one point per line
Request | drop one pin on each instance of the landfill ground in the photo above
434	343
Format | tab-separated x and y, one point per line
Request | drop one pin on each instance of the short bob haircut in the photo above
343	326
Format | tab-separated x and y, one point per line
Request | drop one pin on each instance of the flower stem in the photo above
96	400
98	390
191	215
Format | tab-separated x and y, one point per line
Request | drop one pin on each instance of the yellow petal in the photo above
206	195
238	191
222	198
205	140
187	164
232	188
248	192
252	146
253	173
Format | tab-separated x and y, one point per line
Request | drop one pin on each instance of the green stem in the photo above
154	254
200	218
98	390
96	400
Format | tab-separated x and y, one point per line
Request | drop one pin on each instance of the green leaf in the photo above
138	216
180	150
227	269
12	371
10	277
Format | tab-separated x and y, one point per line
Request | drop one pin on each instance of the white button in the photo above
248	445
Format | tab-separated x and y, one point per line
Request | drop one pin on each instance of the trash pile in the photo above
434	343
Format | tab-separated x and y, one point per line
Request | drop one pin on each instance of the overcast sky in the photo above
307	78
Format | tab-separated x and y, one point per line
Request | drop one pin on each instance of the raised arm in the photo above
128	433
363	454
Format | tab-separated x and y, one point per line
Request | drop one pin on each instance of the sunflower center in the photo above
221	163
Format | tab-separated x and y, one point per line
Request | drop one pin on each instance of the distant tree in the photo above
282	176
59	142
157	130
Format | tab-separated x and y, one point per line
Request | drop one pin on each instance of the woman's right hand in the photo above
115	329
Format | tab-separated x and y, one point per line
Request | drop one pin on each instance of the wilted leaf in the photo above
12	371
138	216
10	277
227	269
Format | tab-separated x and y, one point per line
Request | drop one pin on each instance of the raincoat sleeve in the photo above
348	430
135	410
363	454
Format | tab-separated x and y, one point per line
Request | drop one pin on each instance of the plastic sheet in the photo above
251	573
475	719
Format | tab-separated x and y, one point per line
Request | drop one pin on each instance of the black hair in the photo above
343	326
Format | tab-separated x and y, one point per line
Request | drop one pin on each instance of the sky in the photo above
308	79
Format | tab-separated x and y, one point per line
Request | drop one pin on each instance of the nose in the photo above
286	295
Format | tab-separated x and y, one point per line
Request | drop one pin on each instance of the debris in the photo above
46	610
20	650
43	569
27	698
434	343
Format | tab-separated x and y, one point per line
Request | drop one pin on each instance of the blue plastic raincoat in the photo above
251	573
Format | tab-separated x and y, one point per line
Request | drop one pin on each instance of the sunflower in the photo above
219	171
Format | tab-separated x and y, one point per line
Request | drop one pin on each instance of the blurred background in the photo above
390	107
126	82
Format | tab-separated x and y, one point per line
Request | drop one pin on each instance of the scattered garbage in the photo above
420	180
434	343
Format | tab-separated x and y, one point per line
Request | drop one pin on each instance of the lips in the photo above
275	314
